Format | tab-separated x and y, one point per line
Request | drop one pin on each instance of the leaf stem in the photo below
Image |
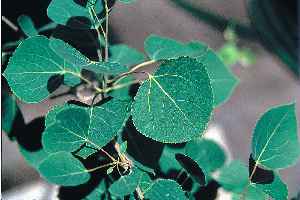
132	70
106	29
91	10
102	166
139	193
243	195
10	24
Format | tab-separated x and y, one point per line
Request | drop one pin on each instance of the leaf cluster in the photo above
146	145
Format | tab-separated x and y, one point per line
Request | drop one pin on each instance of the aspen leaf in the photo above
63	168
175	104
275	142
164	189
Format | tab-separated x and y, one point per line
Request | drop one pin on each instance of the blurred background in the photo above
269	75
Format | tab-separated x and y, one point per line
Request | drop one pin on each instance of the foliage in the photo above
133	144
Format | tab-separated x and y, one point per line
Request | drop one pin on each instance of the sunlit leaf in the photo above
222	80
175	104
275	142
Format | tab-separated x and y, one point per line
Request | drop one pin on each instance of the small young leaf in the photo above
229	53
125	55
164	189
63	168
126	184
27	26
175	104
69	13
76	126
275	142
110	170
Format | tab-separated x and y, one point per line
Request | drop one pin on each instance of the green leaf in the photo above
223	81
68	53
145	182
125	55
63	168
33	158
206	153
51	115
175	104
164	189
30	67
123	93
167	161
110	170
275	142
27	26
111	68
158	47
69	13
86	151
76	58
251	193
277	190
76	126
229	53
126	184
9	112
234	177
